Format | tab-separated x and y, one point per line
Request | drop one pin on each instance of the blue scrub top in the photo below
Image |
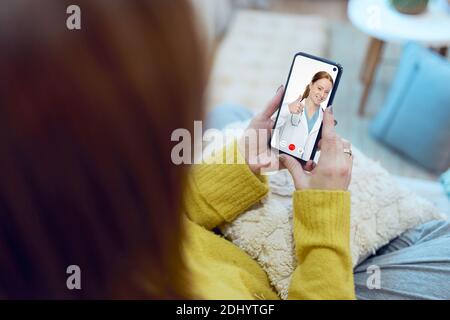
313	119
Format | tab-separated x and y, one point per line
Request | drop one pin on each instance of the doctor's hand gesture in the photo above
254	144
296	107
334	169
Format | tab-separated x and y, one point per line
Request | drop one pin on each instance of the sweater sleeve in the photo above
322	241
218	190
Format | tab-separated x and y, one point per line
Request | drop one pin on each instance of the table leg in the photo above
443	51
367	59
440	50
373	57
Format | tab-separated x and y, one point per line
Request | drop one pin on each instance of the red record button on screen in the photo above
292	147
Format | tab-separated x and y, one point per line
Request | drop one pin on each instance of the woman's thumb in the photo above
294	167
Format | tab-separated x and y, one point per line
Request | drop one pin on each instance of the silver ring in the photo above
348	151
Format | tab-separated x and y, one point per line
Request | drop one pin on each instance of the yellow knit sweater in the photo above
218	193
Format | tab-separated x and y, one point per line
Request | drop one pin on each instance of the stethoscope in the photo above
298	116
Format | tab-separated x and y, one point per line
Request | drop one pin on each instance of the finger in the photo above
331	145
328	124
276	163
350	171
265	166
339	145
319	144
274	104
272	123
342	144
346	144
309	166
281	166
295	169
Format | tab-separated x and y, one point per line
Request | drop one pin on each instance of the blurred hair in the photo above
85	124
319	75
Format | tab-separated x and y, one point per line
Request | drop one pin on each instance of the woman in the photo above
299	121
85	126
86	176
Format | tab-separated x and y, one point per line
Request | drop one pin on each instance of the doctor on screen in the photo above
299	121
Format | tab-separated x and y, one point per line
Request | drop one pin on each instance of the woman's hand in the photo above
334	169
295	107
254	144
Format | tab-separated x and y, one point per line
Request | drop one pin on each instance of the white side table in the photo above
384	24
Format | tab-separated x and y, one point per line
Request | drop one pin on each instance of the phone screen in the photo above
310	89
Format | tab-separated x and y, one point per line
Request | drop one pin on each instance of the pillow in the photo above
416	115
380	211
445	180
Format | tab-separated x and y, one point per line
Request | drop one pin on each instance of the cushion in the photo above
380	211
445	180
416	115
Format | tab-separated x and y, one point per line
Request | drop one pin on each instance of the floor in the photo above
350	55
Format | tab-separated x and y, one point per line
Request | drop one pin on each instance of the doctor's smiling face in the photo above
319	88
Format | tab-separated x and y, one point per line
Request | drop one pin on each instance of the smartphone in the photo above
310	89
